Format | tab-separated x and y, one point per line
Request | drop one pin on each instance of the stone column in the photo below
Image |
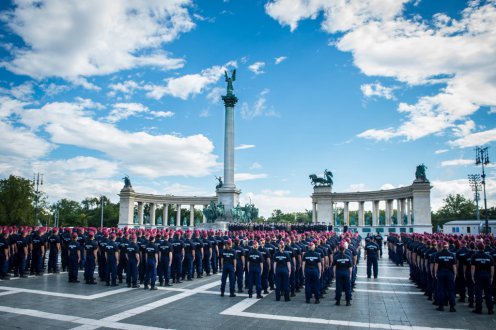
229	102
398	212
375	212
165	215
403	210
361	220
389	204
346	214
126	206
152	213
191	215
314	212
409	211
422	206
178	220
140	213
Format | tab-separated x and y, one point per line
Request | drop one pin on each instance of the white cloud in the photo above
376	89
122	111
21	142
188	85
9	106
441	189
141	153
249	176
259	108
455	55
278	60
387	186
268	200
127	88
215	94
245	146
457	162
475	139
441	151
22	92
255	166
356	187
73	39
257	67
161	114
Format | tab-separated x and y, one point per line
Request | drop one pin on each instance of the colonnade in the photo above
165	214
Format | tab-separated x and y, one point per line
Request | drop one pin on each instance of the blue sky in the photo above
93	90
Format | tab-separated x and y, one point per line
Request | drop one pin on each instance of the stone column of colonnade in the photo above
403	209
153	207
361	220
178	217
389	211
204	218
346	214
409	210
314	212
165	215
191	215
375	213
140	213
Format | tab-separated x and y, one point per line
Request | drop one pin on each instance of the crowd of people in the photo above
257	259
445	266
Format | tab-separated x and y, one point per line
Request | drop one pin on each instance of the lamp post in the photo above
37	183
475	183
101	212
482	158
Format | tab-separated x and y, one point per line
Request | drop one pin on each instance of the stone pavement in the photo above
389	302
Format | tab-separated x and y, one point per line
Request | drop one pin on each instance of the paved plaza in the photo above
389	302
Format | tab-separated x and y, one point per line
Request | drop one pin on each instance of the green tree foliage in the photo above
16	201
456	207
293	217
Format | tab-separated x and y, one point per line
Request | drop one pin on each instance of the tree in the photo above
71	213
16	201
456	207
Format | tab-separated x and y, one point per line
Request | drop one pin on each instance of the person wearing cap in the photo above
343	272
82	236
371	256
4	254
282	272
123	243
240	262
90	251
312	268
255	268
292	259
112	256
266	265
228	264
177	258
151	264
482	273
21	252
132	261
445	273
164	261
198	247
74	257
207	254
54	250
215	252
461	255
189	258
102	259
64	252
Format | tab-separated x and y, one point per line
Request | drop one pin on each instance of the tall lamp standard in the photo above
482	158
37	183
101	212
475	183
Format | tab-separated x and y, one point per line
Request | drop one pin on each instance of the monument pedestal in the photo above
229	197
218	225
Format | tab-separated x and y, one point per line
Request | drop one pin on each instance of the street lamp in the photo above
38	183
101	212
482	158
475	183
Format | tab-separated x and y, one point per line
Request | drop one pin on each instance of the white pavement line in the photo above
207	292
386	291
384	283
380	266
65	295
159	303
386	277
239	310
6	293
74	319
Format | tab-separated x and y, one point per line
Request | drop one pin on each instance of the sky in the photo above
91	91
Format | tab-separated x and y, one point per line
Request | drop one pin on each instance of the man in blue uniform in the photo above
102	259
282	271
37	253
342	266
371	255
240	261
266	266
151	264
445	273
198	247
123	243
54	246
133	260
255	269
189	258
4	254
207	254
74	257
177	258
165	261
90	250
312	268
482	271
112	256
228	265
21	252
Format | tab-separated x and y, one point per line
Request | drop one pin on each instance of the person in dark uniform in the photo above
445	273
151	264
21	252
64	253
228	265
482	271
207	254
282	271
312	268
398	252
240	261
90	250
215	252
198	247
378	240
133	260
177	258
123	243
37	253
292	259
255	269
54	246
266	266
112	256
74	257
371	255
4	254
343	268
165	261
189	259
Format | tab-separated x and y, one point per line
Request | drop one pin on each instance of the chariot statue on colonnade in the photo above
326	181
